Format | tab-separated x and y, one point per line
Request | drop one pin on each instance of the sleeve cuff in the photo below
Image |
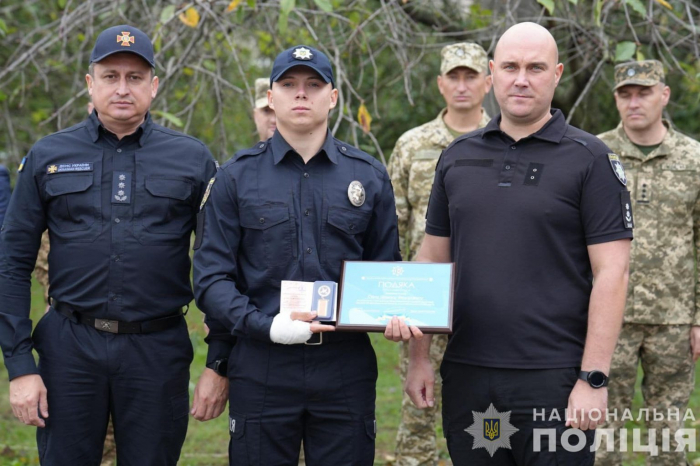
219	349
20	365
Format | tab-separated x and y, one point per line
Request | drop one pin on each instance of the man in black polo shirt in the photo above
531	210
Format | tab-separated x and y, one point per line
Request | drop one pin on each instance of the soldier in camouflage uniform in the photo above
463	83
662	316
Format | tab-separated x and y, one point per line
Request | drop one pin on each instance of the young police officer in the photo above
282	211
119	195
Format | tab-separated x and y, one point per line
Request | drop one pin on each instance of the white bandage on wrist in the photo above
286	331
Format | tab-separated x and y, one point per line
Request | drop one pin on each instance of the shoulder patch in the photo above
22	164
617	168
206	193
258	148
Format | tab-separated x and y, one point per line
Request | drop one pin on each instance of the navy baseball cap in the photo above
302	55
123	39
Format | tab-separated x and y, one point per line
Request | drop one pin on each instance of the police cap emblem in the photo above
617	168
302	53
356	193
631	72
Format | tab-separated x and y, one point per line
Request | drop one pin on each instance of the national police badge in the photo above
617	167
491	430
356	193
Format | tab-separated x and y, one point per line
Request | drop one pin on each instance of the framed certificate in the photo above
371	293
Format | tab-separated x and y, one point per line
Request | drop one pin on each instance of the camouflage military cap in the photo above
261	87
641	73
466	54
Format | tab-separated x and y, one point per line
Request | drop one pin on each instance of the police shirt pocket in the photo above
342	236
269	232
167	208
72	205
180	405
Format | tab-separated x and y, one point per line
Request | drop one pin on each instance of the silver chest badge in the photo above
356	193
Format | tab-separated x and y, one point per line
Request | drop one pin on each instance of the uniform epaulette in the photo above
257	149
352	151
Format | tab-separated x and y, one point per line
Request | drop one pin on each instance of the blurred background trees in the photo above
385	53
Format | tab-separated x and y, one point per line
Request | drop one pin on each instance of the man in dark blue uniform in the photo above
119	195
293	208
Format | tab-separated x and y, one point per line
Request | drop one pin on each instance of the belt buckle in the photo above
320	340
111	326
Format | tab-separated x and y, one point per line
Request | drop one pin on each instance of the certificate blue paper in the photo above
374	292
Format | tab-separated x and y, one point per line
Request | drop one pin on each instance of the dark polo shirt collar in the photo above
552	131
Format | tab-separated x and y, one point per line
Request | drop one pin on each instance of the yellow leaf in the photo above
233	5
665	3
190	17
364	118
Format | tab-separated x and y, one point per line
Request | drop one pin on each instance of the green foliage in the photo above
624	51
548	4
637	6
324	5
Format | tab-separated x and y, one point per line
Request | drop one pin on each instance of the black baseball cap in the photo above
123	39
302	55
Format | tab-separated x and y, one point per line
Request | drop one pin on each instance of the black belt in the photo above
117	326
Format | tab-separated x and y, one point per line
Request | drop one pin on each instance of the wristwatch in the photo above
595	379
219	366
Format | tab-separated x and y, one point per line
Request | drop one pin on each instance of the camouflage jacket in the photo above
41	269
412	170
665	189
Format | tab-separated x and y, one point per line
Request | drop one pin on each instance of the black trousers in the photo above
467	389
141	379
281	394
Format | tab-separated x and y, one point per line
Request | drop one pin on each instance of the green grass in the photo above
207	442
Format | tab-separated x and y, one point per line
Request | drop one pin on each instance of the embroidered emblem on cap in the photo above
618	169
125	38
459	52
356	193
52	169
302	53
631	72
